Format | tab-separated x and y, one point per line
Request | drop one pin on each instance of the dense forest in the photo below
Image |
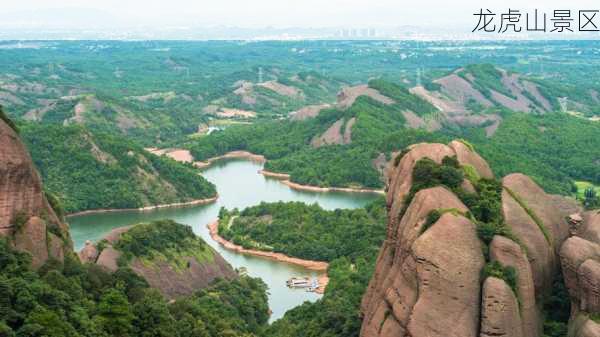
547	147
157	91
348	239
306	231
72	300
89	170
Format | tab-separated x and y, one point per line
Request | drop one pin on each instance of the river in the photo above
239	185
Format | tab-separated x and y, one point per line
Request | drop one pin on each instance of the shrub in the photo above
506	273
432	218
19	220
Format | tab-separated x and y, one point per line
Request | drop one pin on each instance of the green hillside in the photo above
95	171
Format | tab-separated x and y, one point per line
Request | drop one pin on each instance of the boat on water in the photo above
311	284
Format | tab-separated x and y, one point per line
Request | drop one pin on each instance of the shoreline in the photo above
285	179
318	266
146	208
231	155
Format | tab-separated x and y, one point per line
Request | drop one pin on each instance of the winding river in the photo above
239	185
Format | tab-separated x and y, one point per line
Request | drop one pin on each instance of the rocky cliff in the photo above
580	258
474	257
180	266
26	217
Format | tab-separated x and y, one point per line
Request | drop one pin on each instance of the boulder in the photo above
449	259
500	311
588	275
89	253
574	252
509	253
393	287
108	258
540	253
25	214
31	238
542	204
591	226
466	156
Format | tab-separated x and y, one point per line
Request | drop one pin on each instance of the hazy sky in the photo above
261	13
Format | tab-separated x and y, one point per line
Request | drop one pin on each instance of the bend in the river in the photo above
239	185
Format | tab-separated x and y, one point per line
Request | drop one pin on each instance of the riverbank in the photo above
184	156
232	155
147	208
285	179
318	266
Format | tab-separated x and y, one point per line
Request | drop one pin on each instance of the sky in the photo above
174	14
278	13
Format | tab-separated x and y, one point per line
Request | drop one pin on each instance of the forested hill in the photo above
89	170
345	146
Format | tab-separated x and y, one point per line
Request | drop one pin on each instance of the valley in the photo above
239	185
437	188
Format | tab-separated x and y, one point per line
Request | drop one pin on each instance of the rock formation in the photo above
164	275
428	280
580	258
26	217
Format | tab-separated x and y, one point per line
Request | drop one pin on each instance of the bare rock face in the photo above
580	258
89	253
172	280
466	155
32	238
538	248
589	283
427	280
174	283
509	253
589	329
401	176
108	258
26	217
591	226
500	311
542	204
448	300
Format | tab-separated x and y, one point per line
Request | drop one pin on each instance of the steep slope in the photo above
168	255
465	254
98	171
580	257
27	218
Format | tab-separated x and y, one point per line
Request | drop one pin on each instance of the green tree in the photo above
152	316
114	313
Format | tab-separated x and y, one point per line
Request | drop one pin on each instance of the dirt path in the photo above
318	266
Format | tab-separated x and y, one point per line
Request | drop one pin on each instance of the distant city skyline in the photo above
137	19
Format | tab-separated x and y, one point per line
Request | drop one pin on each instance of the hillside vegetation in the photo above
547	146
94	171
347	239
73	300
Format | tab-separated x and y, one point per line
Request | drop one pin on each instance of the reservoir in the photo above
239	185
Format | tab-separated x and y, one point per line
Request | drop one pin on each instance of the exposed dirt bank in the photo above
285	180
233	154
147	208
319	266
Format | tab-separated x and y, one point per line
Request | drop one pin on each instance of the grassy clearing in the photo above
582	186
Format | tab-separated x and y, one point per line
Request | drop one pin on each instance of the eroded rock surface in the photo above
427	280
171	278
26	217
580	258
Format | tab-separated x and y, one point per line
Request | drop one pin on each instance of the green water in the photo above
239	185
